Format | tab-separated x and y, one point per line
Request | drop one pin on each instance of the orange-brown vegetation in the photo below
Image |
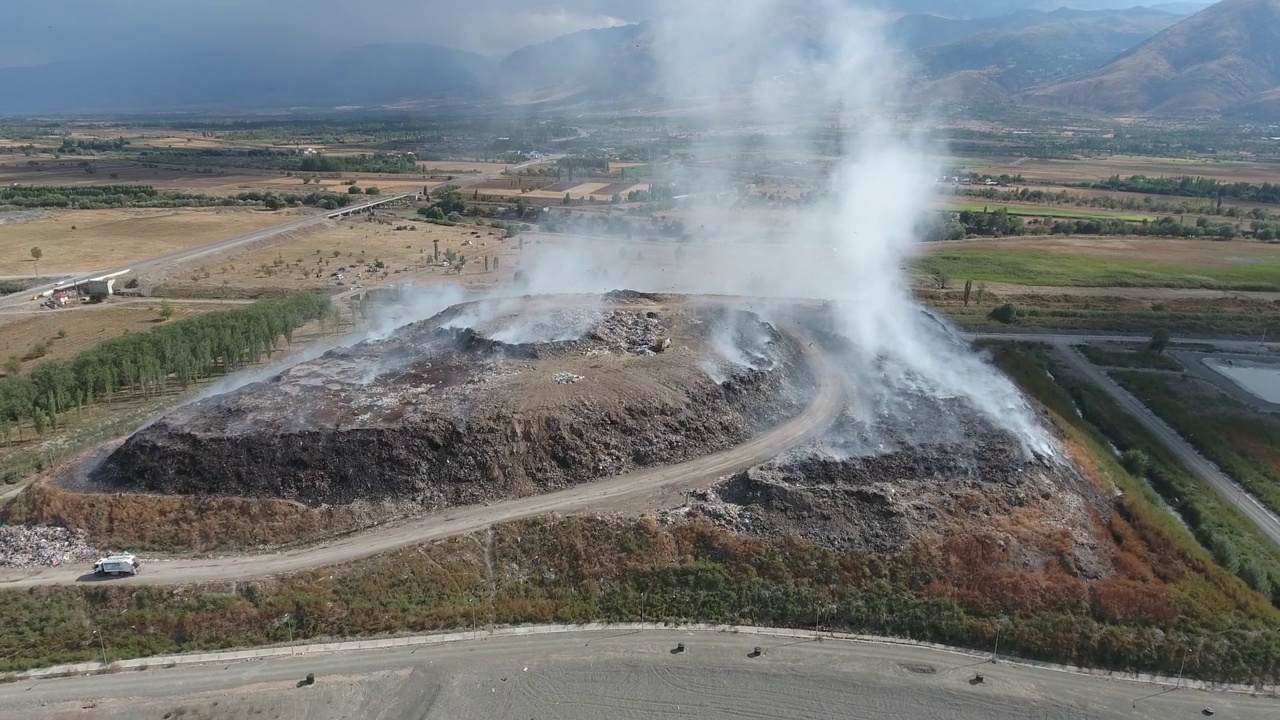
192	524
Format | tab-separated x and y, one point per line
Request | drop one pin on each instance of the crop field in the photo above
405	254
458	167
67	331
1094	169
598	190
1056	211
1110	262
87	240
14	169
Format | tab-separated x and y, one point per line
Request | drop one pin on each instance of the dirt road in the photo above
603	495
620	674
1245	503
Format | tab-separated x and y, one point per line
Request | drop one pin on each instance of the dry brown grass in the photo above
172	523
84	327
1094	169
107	238
14	169
449	166
1164	251
357	242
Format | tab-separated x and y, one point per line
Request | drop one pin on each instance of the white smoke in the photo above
757	82
769	80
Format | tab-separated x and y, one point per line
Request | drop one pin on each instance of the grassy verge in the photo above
1215	525
1044	267
1243	442
1129	358
588	569
1053	211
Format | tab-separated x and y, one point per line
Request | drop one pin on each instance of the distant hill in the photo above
1070	43
247	80
583	65
918	31
1224	59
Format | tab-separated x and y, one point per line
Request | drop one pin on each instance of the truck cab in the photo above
117	565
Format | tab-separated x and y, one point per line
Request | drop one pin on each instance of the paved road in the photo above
828	401
623	674
1248	506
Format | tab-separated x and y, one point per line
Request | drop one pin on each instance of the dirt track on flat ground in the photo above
618	674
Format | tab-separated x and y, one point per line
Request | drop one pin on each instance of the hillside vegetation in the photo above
1221	59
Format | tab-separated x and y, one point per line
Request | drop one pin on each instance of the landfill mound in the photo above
484	401
889	483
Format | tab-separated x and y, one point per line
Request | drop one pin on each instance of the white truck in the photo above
117	565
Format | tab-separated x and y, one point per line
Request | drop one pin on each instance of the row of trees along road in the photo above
147	363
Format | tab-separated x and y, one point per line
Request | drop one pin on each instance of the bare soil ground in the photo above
1156	250
14	169
293	264
109	238
82	328
454	166
599	190
1062	171
617	673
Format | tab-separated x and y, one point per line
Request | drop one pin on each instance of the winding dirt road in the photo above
828	400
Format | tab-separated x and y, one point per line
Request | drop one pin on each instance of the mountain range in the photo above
1174	59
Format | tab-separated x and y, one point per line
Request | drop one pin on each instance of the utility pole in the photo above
102	643
996	651
1182	667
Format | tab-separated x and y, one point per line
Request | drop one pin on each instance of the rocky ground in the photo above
484	401
24	546
875	485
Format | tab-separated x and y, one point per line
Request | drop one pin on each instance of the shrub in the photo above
1006	314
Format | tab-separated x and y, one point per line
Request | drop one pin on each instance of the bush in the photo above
354	190
1136	463
1007	314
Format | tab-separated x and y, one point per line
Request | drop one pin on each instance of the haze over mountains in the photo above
1096	56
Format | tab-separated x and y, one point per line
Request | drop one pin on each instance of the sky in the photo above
33	33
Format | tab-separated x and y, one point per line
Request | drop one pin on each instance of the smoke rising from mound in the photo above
775	79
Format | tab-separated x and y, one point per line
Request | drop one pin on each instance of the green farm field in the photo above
1052	211
1110	262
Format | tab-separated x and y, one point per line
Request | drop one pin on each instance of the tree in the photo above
373	190
354	190
36	254
1159	341
97	295
166	310
968	288
273	202
435	250
459	263
941	278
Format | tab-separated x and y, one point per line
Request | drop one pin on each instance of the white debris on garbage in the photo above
565	378
24	546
